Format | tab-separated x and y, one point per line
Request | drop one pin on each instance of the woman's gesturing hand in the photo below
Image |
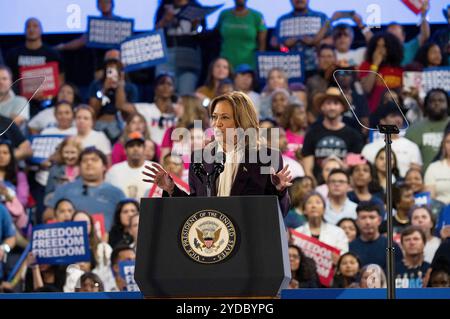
282	179
159	176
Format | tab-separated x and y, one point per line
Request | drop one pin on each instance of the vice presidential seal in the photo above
208	236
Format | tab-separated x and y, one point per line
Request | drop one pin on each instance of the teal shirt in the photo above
240	36
410	49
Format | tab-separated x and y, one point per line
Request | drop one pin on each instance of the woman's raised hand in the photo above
159	176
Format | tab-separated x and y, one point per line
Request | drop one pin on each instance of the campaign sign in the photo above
436	77
99	225
44	146
32	77
143	51
320	252
126	271
296	27
423	198
194	12
60	243
108	33
291	63
413	80
414	5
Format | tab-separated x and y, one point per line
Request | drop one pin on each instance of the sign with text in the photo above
413	81
320	252
44	146
126	270
296	27
194	12
99	225
143	51
108	33
436	77
423	198
414	5
32	79
60	243
291	63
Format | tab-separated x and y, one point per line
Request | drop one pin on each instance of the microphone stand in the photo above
388	130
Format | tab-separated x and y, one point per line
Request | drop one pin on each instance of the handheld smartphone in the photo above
112	73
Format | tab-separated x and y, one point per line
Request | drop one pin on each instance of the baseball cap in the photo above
134	136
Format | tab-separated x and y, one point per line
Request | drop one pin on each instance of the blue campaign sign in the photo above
43	146
108	33
60	243
436	77
291	63
423	198
143	51
126	271
296	27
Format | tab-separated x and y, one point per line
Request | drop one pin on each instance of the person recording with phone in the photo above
110	95
237	162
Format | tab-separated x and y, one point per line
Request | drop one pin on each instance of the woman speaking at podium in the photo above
241	164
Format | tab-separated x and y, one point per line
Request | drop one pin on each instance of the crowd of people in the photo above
338	192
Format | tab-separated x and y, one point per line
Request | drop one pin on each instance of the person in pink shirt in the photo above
295	123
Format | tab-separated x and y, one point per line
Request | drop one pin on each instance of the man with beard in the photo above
331	136
427	133
126	175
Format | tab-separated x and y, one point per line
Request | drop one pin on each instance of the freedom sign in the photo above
296	27
143	51
126	271
436	77
320	252
60	243
44	146
108	33
32	77
291	63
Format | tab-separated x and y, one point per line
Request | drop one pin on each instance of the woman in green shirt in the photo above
243	32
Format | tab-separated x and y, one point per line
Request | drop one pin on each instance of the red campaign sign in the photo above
33	76
99	225
414	5
320	252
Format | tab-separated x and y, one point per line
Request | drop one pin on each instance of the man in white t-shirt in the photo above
127	175
343	38
407	152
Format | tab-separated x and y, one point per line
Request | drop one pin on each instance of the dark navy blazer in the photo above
248	181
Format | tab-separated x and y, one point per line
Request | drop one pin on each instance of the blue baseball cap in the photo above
244	68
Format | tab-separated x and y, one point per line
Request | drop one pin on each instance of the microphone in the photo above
219	163
199	170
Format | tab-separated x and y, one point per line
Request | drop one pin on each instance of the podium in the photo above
200	247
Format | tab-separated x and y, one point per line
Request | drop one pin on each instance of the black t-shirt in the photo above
322	142
396	226
410	277
21	56
373	252
13	133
